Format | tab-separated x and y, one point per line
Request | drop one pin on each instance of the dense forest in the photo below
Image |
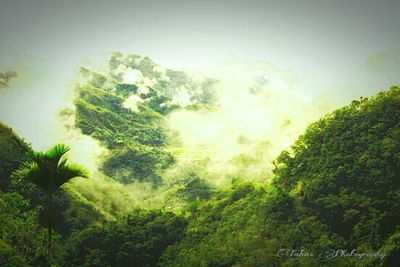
336	188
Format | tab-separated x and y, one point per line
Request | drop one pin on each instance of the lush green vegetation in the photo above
49	171
336	188
23	218
13	151
129	118
136	240
346	168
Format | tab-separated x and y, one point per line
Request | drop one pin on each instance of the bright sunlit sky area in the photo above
346	49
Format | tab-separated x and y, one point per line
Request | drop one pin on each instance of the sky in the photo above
331	42
320	35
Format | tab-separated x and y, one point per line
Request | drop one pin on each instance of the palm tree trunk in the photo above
49	226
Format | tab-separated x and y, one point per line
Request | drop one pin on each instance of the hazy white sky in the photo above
46	41
320	35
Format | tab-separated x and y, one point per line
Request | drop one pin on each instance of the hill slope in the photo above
334	191
337	188
125	109
22	216
13	151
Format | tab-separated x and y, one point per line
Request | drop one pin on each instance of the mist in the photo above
260	110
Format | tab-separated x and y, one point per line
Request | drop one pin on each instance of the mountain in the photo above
125	108
333	199
336	188
13	151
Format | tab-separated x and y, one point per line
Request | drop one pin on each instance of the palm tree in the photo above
49	170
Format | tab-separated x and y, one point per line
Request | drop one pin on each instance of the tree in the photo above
49	170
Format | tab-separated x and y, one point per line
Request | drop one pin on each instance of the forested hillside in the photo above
13	152
22	215
125	109
336	187
219	133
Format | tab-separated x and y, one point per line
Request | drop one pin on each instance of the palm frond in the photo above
66	172
50	159
49	170
33	173
57	151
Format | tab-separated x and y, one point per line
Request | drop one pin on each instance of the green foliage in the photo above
20	235
13	151
126	89
139	162
336	188
137	240
194	188
137	137
49	170
135	134
22	216
348	164
10	257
